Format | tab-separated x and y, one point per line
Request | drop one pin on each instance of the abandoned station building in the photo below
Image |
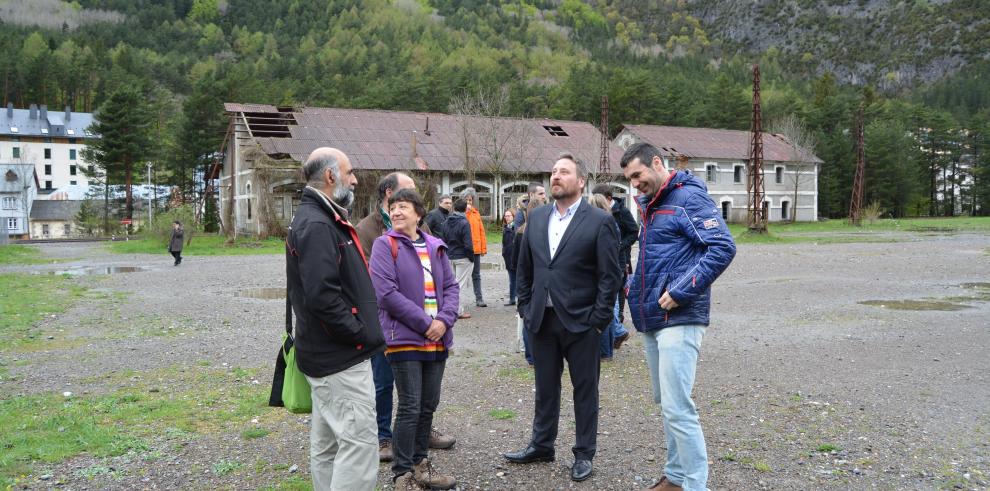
258	172
259	176
719	157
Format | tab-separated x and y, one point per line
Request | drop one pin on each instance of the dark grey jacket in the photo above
176	240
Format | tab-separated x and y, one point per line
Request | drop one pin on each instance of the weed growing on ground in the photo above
252	433
502	414
226	466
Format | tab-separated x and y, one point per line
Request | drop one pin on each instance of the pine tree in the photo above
122	123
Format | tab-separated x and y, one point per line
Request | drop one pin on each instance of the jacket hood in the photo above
677	179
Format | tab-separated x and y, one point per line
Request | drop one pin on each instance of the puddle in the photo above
976	286
936	305
263	293
96	271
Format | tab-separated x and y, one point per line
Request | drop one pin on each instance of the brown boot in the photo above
407	482
384	450
664	484
441	441
427	477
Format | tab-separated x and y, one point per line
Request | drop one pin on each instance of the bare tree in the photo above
802	143
491	140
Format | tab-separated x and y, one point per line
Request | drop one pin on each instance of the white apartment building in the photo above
52	141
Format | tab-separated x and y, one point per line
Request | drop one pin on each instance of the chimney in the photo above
10	110
427	132
68	113
44	112
33	111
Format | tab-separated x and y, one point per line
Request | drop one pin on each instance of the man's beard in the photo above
564	193
343	196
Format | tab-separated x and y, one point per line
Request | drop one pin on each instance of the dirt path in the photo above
800	385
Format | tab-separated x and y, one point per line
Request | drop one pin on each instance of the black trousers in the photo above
551	346
418	384
177	255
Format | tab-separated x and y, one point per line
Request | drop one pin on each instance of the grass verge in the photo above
20	254
50	428
26	299
202	245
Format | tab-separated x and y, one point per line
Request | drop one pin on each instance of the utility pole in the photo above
757	218
856	203
149	194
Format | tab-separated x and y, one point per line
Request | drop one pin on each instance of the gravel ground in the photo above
791	362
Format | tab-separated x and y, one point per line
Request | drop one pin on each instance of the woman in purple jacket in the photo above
417	306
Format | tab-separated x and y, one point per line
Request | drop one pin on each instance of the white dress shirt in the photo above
555	231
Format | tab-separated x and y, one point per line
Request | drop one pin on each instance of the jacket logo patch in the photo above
710	223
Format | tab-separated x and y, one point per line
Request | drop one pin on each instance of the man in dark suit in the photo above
567	279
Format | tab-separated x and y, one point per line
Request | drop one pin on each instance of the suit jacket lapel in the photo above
571	227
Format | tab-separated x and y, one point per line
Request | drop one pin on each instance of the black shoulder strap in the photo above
288	313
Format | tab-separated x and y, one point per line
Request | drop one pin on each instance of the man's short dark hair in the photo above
408	196
390	181
642	151
460	205
443	197
532	187
602	189
582	170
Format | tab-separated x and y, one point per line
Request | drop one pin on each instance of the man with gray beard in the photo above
337	330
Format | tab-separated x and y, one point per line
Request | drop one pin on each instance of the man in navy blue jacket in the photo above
684	246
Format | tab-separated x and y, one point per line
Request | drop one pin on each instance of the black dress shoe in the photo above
481	303
529	455
509	303
581	470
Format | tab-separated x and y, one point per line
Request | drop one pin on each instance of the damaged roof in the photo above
377	139
707	143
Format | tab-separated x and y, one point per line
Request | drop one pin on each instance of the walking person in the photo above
337	330
418	299
369	229
460	249
508	241
480	244
684	247
175	242
568	276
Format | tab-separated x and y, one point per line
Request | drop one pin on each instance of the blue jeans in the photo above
418	383
384	381
672	356
614	330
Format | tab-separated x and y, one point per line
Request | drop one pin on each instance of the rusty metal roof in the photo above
702	143
378	139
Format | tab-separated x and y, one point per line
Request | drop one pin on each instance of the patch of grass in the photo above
827	447
252	433
49	428
20	254
729	457
762	466
93	471
838	231
520	374
292	483
226	466
27	299
502	414
202	245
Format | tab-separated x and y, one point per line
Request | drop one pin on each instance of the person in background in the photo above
535	193
480	244
522	334
460	249
417	307
508	239
437	218
608	335
175	242
628	235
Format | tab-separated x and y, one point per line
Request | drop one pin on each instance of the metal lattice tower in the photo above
856	203
756	215
603	166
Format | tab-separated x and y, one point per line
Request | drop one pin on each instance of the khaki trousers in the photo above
343	437
462	272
